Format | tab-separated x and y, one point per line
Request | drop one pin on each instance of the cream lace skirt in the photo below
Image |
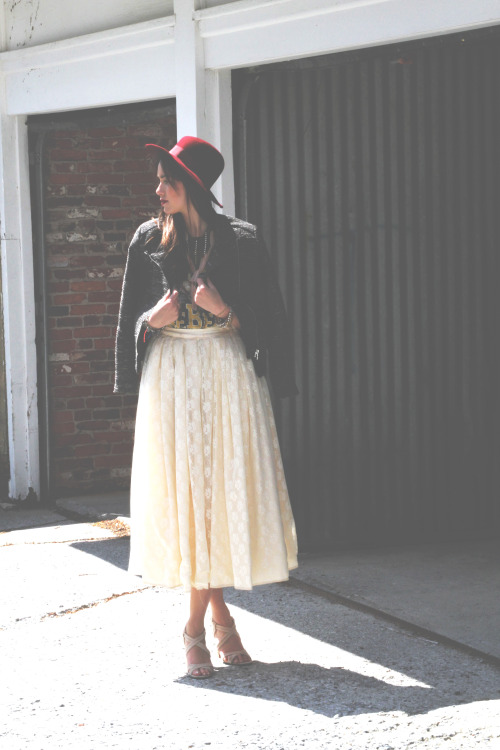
209	502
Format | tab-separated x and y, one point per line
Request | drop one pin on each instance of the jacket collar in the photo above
224	249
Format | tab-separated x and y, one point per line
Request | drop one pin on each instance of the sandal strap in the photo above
193	667
228	630
198	640
231	656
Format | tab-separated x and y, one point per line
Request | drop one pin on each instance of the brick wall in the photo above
100	188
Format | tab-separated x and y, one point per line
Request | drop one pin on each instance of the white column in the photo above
16	250
189	71
203	97
219	131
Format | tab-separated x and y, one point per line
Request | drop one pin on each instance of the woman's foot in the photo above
198	666
229	646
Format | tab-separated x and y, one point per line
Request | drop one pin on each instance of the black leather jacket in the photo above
240	268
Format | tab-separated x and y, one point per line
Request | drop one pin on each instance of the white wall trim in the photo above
133	63
246	33
18	306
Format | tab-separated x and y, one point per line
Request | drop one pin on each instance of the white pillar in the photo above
203	97
16	250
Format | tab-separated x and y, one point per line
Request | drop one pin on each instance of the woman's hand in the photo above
165	311
207	297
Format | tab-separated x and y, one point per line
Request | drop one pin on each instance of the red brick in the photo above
104	132
141	178
66	179
87	260
64	428
69	154
132	165
88	309
86	286
82	390
67	299
77	367
116	437
91	425
84	345
103	297
59	417
61	142
69	322
102	200
66	464
94	356
96	449
115	213
82	416
98	178
93	167
93	378
61	334
124	448
76	189
75	403
80	438
139	189
119	142
55	287
58	347
73	273
95	332
111	461
60	380
105	343
102	390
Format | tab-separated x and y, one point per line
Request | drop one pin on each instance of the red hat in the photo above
199	159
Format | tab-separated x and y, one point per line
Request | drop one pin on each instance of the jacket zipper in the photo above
257	350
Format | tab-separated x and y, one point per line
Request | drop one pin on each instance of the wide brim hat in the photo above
197	158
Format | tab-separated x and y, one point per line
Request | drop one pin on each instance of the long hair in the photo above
172	226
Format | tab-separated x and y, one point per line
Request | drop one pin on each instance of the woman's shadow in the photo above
330	692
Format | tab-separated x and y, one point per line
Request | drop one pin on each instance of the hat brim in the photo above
158	152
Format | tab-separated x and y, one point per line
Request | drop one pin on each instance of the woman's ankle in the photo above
194	627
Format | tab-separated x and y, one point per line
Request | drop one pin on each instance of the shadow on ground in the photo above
447	676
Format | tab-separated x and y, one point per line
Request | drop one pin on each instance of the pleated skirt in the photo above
209	501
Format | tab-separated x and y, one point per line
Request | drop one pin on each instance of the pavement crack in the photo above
90	605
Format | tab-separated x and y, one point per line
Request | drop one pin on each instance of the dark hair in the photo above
173	227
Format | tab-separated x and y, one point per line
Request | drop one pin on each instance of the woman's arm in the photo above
209	299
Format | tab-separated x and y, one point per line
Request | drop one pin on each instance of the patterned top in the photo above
189	318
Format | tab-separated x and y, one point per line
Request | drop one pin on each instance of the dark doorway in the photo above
374	176
92	186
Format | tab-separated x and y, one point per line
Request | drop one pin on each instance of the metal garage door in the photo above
374	178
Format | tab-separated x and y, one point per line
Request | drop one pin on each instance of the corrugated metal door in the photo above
374	178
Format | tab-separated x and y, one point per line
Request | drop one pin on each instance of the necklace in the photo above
205	246
197	270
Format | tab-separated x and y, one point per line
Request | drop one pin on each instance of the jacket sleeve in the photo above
278	334
130	332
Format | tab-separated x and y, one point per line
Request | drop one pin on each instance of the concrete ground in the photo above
92	657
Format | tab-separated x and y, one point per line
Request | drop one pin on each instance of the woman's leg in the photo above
222	616
195	625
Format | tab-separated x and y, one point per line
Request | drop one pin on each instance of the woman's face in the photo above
172	194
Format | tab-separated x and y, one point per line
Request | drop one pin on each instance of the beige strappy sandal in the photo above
198	641
230	657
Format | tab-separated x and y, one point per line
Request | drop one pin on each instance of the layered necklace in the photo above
197	265
198	242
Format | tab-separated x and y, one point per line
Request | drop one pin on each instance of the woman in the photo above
201	317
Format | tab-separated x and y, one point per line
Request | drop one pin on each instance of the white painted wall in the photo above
58	55
33	22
